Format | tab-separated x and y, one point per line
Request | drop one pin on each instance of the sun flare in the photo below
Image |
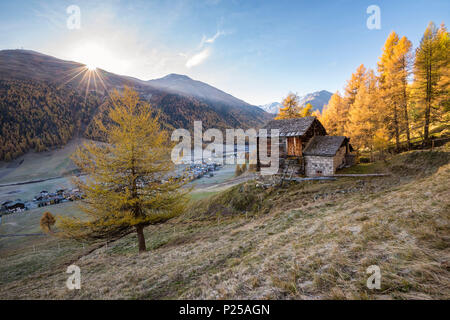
93	55
91	67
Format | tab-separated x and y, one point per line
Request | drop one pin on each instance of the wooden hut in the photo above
306	137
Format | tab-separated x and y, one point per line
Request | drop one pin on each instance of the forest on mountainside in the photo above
38	115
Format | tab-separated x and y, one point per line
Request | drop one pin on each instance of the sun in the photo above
92	55
91	67
97	54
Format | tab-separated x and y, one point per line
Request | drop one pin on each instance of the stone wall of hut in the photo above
319	166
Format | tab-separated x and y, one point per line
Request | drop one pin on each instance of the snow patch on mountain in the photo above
318	100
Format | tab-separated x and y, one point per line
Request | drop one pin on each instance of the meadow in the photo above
312	240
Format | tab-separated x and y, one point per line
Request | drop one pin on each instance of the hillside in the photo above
45	101
37	115
304	241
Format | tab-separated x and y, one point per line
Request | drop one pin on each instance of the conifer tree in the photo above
364	120
307	110
47	221
357	79
443	85
430	74
130	181
389	88
402	60
291	107
331	115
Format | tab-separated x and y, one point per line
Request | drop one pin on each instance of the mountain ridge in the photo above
318	99
31	82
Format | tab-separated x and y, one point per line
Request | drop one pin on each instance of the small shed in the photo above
324	154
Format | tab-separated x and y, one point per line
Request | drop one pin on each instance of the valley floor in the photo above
310	240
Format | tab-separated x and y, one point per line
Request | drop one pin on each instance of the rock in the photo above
354	229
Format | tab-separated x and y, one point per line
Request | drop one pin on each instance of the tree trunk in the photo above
427	123
405	106
141	238
397	131
428	103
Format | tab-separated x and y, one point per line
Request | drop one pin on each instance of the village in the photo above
194	171
44	198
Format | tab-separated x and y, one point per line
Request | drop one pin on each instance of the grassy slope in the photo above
310	241
37	166
42	165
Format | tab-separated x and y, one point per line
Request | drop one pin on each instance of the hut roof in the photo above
290	127
326	146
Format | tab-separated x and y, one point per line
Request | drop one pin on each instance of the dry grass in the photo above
307	241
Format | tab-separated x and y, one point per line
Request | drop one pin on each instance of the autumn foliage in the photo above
292	108
130	181
47	221
406	95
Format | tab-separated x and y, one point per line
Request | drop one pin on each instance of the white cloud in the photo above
212	39
201	56
198	58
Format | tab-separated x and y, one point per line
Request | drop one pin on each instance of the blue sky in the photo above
255	50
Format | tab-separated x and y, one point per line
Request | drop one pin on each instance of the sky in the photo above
258	51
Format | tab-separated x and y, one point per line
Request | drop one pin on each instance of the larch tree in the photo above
357	79
389	87
332	115
430	70
307	110
129	181
402	61
443	85
47	221
291	107
363	121
381	140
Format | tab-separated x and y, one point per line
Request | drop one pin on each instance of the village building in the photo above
304	144
13	206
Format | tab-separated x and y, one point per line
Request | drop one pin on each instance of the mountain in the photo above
318	99
271	107
222	102
183	84
45	101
